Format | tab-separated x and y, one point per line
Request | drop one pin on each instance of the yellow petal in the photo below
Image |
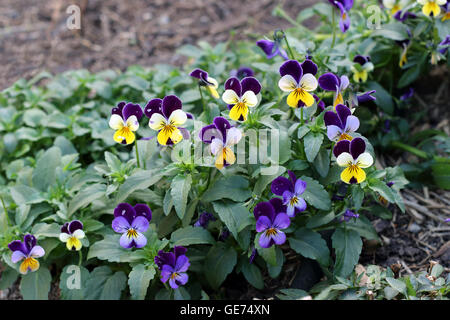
225	157
124	134
176	136
354	172
74	243
239	112
431	7
300	95
213	92
360	76
29	263
338	100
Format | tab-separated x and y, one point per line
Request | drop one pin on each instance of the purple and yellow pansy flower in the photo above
446	15
71	234
173	266
272	48
166	117
132	222
340	124
299	80
222	136
330	82
344	6
361	68
269	224
240	96
431	7
291	190
352	156
27	251
395	5
205	80
125	120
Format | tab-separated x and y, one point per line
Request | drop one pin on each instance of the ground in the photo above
117	33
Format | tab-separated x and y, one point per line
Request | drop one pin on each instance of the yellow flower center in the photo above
293	201
174	275
131	233
271	232
345	136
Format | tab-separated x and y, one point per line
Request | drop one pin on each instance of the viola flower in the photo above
272	48
408	94
269	224
242	72
402	16
344	6
340	124
405	45
348	215
222	136
431	7
298	82
166	117
204	80
447	220
446	15
395	5
331	82
444	45
252	256
241	95
352	156
361	68
290	189
27	251
71	233
204	220
366	97
125	120
132	222
224	234
173	266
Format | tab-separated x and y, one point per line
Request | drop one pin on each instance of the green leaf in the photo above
347	245
113	162
180	187
46	230
398	285
23	194
384	99
73	282
382	188
320	219
393	30
264	180
219	262
322	163
109	249
191	235
268	254
312	142
44	174
232	187
252	274
85	197
292	294
139	280
141	179
315	194
9	276
36	285
310	245
181	294
274	271
235	215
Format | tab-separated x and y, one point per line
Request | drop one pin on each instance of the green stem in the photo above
288	46
137	154
410	149
80	258
6	211
301	116
333	22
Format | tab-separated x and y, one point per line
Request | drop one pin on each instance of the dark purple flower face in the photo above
290	189
408	94
29	242
217	130
362	60
204	220
355	147
269	224
132	222
173	266
403	15
71	227
27	252
202	75
366	97
126	110
340	124
349	215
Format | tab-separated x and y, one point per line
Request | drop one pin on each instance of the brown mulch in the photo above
116	33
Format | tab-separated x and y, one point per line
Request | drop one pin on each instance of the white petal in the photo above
216	146
344	159
213	81
133	123
157	121
389	3
441	2
234	135
368	66
287	83
344	83
230	97
116	122
79	234
422	1
308	82
364	160
64	237
250	99
178	117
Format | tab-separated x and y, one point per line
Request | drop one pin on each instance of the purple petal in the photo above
18	245
131	109
37	252
65	228
309	66
250	84
182	264
343	112
357	146
170	104
126	242
166	272
234	84
279	238
125	210
142	209
329	81
334	132
265	241
173	284
181	279
179	251
199	74
208	133
222	125
263	223
366	97
362	60
277	205
301	204
17	256
29	241
332	119
340	147
281	221
266	45
300	187
120	225
140	224
153	106
74	226
352	124
118	109
292	68
292	177
280	185
165	258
